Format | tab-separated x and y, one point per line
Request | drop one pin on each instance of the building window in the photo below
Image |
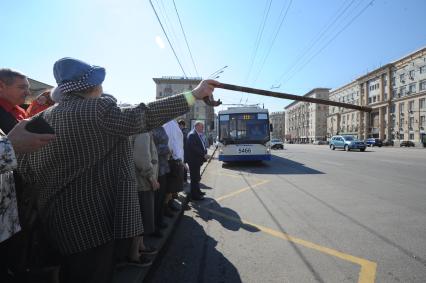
393	81
422	85
401	136
411	136
411	106
412	88
394	93
385	96
402	91
411	74
423	69
422	103
422	122
401	107
402	78
411	123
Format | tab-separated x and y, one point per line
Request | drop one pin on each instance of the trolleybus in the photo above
244	134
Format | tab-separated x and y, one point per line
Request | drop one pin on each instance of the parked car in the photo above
347	143
319	142
406	144
374	142
277	144
388	143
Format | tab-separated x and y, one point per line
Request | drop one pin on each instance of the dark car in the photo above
388	143
277	144
374	142
406	144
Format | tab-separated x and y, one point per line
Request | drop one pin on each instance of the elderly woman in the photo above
88	198
146	168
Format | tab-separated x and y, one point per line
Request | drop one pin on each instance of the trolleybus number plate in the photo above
243	150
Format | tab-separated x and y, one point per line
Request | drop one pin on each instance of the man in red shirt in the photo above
14	88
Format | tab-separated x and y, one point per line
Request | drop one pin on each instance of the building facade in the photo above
167	86
396	92
306	122
342	120
277	120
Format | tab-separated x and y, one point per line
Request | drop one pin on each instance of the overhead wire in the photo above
318	38
186	40
332	39
167	37
174	37
257	41
275	37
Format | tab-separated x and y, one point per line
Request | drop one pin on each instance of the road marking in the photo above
234	193
367	273
242	190
229	175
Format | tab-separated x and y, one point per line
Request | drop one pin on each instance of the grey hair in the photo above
8	76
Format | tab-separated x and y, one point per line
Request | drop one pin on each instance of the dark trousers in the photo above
194	171
159	197
94	265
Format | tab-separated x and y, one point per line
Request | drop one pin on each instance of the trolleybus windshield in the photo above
244	128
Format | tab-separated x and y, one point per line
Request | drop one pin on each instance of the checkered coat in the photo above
87	183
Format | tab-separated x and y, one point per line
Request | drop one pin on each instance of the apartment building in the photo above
306	122
277	119
167	86
342	120
396	92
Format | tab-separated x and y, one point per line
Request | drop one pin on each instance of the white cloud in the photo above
159	42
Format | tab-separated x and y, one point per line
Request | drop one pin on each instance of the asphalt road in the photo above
309	215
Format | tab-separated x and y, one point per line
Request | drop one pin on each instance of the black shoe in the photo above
186	207
197	197
144	262
173	207
149	251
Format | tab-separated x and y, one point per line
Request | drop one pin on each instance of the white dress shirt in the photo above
175	139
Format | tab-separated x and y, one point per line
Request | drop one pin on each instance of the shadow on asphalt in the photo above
277	165
228	218
192	257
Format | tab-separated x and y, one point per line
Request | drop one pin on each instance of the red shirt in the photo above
15	110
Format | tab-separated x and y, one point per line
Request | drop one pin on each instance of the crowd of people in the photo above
97	187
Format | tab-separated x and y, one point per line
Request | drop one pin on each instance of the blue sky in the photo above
125	37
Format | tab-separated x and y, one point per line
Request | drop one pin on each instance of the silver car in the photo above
347	143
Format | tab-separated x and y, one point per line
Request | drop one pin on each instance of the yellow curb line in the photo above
367	273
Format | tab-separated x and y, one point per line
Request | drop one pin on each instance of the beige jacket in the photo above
146	160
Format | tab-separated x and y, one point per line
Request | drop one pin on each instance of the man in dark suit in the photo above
196	155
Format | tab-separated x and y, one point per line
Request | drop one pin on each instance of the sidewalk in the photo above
133	274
